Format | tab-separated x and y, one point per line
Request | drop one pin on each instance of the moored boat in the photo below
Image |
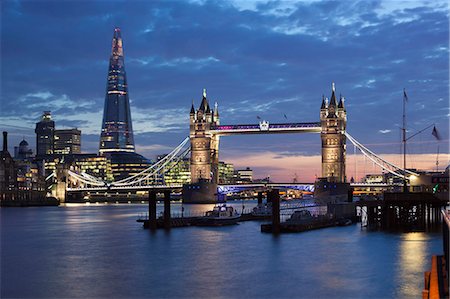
262	210
219	216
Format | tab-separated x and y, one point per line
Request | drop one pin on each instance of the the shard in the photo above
117	131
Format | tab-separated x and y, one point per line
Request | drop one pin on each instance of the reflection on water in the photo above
99	251
413	258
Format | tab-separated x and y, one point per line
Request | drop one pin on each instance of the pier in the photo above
402	211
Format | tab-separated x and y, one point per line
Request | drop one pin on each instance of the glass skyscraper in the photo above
117	131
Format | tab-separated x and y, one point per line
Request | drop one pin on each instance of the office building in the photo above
45	133
117	131
67	141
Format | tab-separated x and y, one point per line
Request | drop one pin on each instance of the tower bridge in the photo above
203	147
206	130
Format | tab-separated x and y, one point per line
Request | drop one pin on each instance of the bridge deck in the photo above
266	128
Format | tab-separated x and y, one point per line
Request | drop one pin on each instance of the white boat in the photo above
220	215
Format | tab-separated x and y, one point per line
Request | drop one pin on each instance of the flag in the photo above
258	117
435	133
404	95
285	116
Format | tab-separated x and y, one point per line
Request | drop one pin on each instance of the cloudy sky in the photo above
256	58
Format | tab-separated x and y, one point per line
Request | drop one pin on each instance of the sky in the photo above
261	59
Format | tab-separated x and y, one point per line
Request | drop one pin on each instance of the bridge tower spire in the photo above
333	118
204	145
204	163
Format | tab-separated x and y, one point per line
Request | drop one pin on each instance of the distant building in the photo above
67	141
22	151
177	173
45	133
117	130
30	180
98	166
226	173
116	139
244	175
8	174
374	178
125	164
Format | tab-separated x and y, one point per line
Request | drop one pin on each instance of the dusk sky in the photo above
262	59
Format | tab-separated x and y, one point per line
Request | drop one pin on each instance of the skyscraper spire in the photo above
117	130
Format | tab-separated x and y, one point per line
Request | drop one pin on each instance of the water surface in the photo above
99	251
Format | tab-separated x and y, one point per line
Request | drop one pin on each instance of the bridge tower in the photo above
204	161
204	145
333	118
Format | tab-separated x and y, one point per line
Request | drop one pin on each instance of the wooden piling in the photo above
260	198
152	209
274	197
167	209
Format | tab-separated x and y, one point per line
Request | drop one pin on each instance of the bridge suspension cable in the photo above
386	165
150	173
154	168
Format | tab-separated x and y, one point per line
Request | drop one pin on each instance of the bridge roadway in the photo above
267	128
225	188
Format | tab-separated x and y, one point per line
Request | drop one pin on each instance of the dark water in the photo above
101	252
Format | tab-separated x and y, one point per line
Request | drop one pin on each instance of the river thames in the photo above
100	251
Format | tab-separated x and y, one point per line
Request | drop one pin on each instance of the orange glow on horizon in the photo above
307	168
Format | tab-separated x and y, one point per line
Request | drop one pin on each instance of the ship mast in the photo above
405	98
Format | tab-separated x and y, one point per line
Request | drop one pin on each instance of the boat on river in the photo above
262	210
219	216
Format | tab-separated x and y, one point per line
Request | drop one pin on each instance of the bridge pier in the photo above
167	209
152	210
200	192
273	196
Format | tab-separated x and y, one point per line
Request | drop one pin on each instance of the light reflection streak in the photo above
411	261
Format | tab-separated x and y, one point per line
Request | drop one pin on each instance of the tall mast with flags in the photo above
405	99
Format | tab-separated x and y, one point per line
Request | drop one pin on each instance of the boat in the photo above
262	210
344	222
305	217
219	216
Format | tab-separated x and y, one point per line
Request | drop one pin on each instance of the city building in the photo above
30	178
67	141
125	164
177	173
116	138
117	131
45	133
374	178
92	164
8	174
244	175
226	173
22	151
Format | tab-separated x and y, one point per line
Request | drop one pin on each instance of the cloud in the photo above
266	58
